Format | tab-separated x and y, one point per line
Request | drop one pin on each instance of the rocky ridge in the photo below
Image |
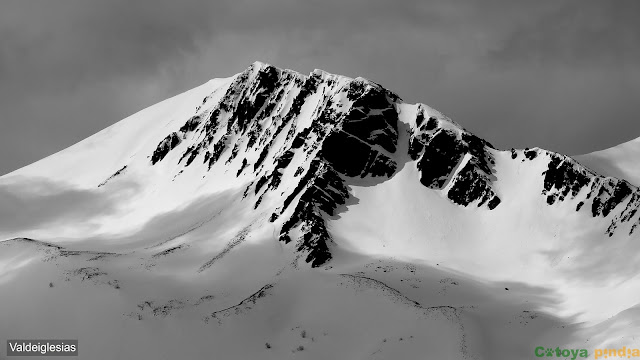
324	131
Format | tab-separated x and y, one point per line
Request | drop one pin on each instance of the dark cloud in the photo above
63	43
576	33
557	74
29	203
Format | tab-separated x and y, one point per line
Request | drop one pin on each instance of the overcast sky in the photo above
562	75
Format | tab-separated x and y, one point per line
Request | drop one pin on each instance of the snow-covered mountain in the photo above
277	215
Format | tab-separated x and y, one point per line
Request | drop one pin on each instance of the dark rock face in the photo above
565	178
530	154
322	192
611	192
191	153
244	164
356	143
262	88
373	118
470	185
191	124
625	215
562	178
369	132
359	160
234	153
440	156
170	142
440	153
214	155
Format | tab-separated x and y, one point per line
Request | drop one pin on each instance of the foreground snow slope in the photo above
277	215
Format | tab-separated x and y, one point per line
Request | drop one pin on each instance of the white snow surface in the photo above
170	262
620	161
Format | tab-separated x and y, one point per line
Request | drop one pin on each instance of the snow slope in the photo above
277	215
619	161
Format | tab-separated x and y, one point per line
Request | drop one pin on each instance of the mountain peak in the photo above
292	136
259	64
215	208
296	145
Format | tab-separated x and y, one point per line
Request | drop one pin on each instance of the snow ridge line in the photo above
452	176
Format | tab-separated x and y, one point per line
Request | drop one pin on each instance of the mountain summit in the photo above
321	133
272	187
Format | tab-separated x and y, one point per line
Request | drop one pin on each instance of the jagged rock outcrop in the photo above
566	179
448	154
167	144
